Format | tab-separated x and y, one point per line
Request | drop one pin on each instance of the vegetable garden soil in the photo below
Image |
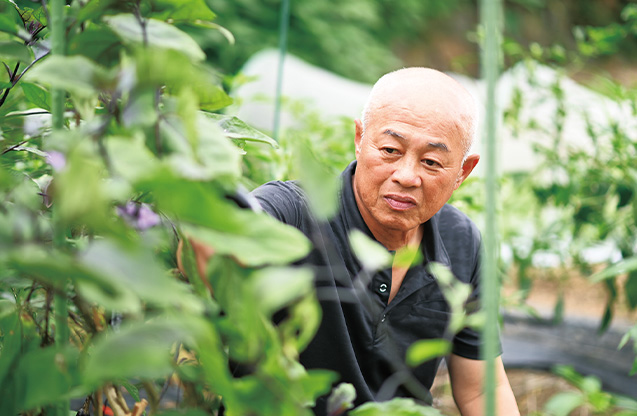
582	301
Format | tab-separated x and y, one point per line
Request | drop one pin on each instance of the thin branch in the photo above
11	77
28	67
8	69
15	146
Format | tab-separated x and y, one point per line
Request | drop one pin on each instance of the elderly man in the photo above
412	152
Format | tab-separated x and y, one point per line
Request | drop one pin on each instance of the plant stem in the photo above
491	11
56	13
60	307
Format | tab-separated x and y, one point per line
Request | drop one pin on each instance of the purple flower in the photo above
56	160
138	215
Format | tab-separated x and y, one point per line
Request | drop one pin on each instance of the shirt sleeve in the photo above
281	200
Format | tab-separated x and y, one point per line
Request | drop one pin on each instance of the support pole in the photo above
490	13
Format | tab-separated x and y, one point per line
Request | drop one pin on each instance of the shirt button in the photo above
383	318
382	288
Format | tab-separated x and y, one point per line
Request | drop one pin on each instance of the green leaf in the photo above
36	95
259	240
188	10
131	159
88	78
274	288
139	350
395	407
623	266
237	129
371	254
137	270
10	20
562	404
14	50
54	268
156	34
46	375
202	154
425	350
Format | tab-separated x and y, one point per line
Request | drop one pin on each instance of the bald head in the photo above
437	99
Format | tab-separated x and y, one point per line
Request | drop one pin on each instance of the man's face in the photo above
408	167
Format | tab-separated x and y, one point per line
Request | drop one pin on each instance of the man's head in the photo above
412	148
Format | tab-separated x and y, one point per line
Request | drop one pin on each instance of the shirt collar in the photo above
432	246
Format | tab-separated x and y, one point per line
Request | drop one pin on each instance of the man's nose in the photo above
406	173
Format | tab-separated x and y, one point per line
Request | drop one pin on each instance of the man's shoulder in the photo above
455	224
284	200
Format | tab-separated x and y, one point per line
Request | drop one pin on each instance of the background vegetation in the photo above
92	302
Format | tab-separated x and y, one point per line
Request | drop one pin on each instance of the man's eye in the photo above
389	150
430	162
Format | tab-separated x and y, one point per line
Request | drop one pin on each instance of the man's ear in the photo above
467	167
358	136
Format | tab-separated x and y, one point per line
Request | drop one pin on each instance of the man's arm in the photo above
467	378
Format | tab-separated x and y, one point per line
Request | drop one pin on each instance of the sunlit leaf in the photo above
10	20
275	288
394	407
427	349
155	34
234	128
562	404
370	253
259	240
188	10
88	78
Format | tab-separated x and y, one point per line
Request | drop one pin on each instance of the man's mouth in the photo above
400	202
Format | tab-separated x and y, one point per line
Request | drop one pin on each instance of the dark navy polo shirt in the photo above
361	336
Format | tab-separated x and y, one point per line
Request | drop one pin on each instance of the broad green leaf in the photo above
187	10
87	79
54	268
258	241
36	95
14	50
131	158
10	20
371	254
140	110
183	412
155	34
46	375
235	128
139	350
93	9
98	43
206	156
427	349
562	404
274	288
137	270
394	407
